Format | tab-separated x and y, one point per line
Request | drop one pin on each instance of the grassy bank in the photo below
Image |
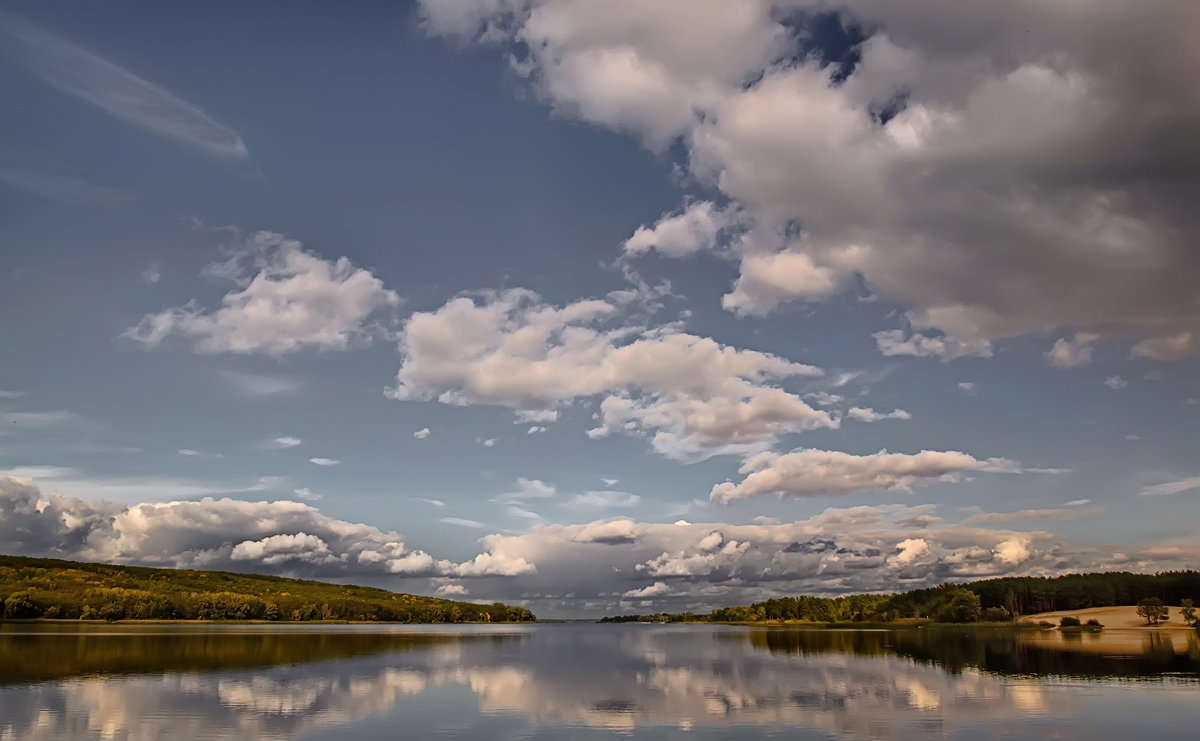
32	588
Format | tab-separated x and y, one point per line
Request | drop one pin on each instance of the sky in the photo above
600	308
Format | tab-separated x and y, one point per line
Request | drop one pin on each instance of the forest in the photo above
991	600
45	588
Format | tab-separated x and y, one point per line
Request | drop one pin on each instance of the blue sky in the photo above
598	311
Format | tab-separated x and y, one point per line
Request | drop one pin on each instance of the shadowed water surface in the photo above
584	681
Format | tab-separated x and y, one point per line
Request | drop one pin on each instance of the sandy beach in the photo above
1124	632
1113	617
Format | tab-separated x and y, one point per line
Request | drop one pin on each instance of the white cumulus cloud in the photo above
690	395
286	299
1025	182
804	473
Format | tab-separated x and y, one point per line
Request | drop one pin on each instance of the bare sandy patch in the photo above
1113	617
1124	632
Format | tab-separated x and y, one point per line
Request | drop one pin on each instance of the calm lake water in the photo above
578	681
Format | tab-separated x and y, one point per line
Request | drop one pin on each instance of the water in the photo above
589	681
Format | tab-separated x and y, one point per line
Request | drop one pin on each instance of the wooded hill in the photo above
994	600
49	588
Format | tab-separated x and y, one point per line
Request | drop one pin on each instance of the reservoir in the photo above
585	681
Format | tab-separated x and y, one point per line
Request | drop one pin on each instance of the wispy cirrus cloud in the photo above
117	91
461	522
1170	488
1028	514
260	384
66	189
193	453
47	419
108	488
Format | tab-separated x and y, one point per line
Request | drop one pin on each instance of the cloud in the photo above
535	430
967	387
130	488
598	500
824	398
118	91
895	342
286	299
656	589
451	590
862	414
679	235
1030	514
608	481
151	274
489	443
1077	502
804	473
431	502
705	564
66	189
1035	180
909	551
43	420
1072	353
281	537
422	433
9	394
692	396
528	489
1116	383
767	280
193	453
306	494
612	532
525	416
283	442
1171	488
461	522
839	551
259	384
324	461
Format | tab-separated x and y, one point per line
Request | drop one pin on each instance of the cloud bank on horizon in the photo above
601	565
907	232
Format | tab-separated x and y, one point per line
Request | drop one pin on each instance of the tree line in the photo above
46	588
992	600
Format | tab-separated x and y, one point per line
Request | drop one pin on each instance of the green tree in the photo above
1188	610
963	607
996	615
1152	609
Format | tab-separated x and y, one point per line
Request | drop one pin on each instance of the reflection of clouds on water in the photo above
600	678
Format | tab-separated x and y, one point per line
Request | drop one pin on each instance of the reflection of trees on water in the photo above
1001	651
155	649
